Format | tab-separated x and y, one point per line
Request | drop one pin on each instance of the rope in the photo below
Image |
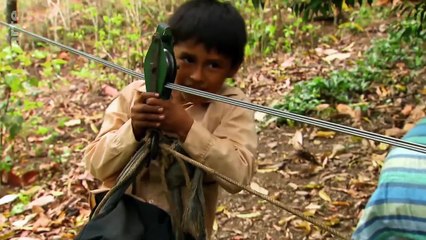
130	170
256	193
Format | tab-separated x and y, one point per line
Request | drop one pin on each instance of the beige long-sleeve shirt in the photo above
222	137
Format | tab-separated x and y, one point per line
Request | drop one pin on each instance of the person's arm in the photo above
230	150
107	155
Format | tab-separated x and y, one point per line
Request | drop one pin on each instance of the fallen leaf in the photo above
332	221
23	222
33	190
8	198
286	220
417	113
25	238
330	51
302	224
340	203
287	63
293	185
337	148
349	47
383	146
64	56
58	221
378	159
215	225
321	107
41	201
338	56
94	128
3	219
273	144
265	168
13	180
73	122
380	3
302	193
394	132
313	206
325	134
312	185
309	213
42	221
297	140
7	235
345	110
258	188
324	195
382	91
259	116
29	177
220	209
249	215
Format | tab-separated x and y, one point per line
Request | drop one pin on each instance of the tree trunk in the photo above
12	18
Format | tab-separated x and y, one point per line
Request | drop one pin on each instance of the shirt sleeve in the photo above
230	149
107	155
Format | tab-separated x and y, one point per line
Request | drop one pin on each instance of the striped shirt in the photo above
397	208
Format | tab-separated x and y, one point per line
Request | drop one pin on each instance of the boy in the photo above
210	38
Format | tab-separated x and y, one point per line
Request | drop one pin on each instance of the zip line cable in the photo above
239	103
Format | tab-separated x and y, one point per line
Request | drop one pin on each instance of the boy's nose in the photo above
197	74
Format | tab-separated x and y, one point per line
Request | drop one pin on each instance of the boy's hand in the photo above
149	111
174	118
145	116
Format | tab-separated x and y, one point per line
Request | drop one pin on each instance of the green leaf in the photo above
30	105
13	81
14	130
43	130
258	3
39	54
17	209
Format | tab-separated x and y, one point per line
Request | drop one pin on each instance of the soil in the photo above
329	177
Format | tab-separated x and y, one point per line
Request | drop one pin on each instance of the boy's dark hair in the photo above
217	25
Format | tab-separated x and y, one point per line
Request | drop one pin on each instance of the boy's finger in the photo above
156	102
144	108
148	117
141	97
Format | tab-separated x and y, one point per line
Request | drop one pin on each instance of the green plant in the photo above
413	11
402	46
13	84
309	9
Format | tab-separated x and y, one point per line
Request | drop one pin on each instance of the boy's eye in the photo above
214	65
187	59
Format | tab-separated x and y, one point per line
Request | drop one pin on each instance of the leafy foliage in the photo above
346	86
309	9
14	80
415	11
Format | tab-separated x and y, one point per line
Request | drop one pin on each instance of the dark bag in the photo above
125	217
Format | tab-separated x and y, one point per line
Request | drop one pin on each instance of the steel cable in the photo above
268	110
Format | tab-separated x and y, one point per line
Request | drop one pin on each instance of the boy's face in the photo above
201	69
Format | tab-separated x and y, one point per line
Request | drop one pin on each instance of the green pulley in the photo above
160	64
159	69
